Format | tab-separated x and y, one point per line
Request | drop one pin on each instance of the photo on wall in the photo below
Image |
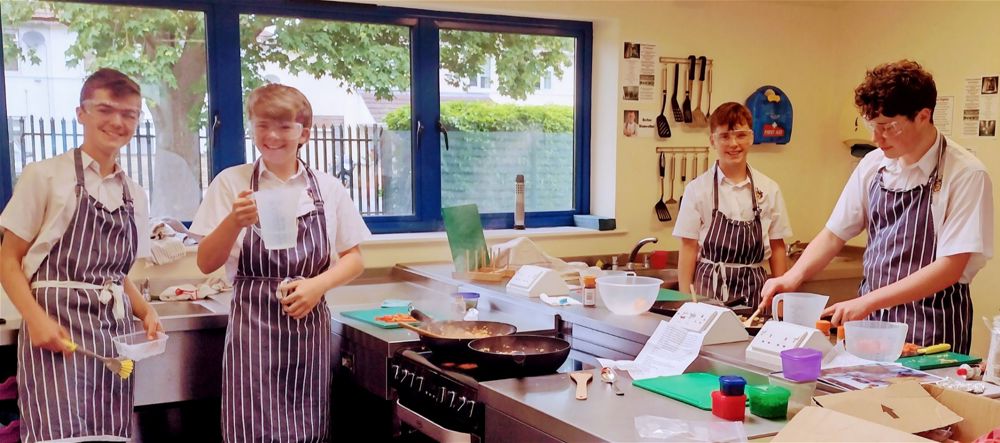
630	122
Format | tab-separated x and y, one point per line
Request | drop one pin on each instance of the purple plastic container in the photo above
801	364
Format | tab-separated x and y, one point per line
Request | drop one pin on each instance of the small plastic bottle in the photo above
589	290
992	373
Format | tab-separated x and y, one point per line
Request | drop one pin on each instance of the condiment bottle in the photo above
589	290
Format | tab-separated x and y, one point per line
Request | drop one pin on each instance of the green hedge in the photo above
484	116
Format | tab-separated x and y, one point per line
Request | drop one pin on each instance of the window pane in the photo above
357	79
57	45
505	117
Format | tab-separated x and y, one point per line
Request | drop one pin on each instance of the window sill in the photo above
492	234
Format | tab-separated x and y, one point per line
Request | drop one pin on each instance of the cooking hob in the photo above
445	390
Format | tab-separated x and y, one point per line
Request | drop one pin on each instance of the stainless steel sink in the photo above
179	309
669	276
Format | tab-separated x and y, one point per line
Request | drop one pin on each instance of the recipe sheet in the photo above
669	351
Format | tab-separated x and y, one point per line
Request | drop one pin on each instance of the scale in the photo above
530	281
716	323
776	336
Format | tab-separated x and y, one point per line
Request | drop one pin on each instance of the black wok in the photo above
520	355
451	338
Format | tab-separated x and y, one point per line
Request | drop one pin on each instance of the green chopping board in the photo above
672	295
466	240
368	316
694	389
939	360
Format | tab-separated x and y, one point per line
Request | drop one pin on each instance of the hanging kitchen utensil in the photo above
698	119
686	107
674	106
673	171
708	110
694	167
684	164
662	127
662	213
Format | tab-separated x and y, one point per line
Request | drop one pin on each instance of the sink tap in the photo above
635	252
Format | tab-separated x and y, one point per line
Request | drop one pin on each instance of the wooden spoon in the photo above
420	331
749	321
581	379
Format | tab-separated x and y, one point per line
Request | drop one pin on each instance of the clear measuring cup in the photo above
801	308
277	209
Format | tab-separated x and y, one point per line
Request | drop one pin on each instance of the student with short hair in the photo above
72	231
732	218
276	364
927	206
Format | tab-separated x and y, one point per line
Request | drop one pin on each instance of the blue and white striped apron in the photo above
276	370
730	262
901	241
75	398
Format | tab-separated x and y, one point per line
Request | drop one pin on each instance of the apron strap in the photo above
715	191
78	165
110	291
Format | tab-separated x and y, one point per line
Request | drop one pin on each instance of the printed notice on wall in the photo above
944	114
982	106
639	64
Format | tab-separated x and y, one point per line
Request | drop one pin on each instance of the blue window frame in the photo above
225	106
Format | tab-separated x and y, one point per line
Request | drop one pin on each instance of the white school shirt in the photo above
694	217
962	210
345	227
44	203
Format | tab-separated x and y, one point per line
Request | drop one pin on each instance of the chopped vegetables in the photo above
910	349
396	318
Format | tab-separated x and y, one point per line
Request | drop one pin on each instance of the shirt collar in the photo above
89	163
723	179
926	163
298	173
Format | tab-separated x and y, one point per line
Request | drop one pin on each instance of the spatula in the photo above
688	85
698	116
673	171
581	379
662	213
662	127
708	110
684	164
749	321
674	106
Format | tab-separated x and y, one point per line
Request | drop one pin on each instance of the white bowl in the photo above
628	295
875	340
137	347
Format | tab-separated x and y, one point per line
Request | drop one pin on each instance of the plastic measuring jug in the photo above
276	208
801	308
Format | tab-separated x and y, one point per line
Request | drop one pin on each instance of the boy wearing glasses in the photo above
73	229
276	364
927	206
732	218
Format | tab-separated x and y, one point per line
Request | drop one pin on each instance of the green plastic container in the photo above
767	401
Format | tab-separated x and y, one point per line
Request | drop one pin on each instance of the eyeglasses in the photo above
890	129
107	110
740	135
282	129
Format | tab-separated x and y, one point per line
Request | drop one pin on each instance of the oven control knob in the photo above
451	400
420	383
395	372
406	373
443	393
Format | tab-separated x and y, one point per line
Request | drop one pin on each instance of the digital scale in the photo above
716	323
776	336
531	281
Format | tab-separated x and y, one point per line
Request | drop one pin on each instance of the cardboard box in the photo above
887	414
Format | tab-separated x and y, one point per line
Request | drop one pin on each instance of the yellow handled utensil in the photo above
120	366
942	347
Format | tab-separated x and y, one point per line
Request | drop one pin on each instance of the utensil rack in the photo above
696	150
682	60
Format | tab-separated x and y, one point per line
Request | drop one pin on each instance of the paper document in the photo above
669	351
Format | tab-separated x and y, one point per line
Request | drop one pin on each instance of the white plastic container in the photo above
992	372
277	208
137	346
628	295
875	340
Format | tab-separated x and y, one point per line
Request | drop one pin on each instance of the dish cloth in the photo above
166	250
561	300
211	286
282	292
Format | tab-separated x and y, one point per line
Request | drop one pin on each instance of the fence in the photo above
348	152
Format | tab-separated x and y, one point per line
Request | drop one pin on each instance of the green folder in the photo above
465	237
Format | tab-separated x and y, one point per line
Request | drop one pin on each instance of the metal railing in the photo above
349	152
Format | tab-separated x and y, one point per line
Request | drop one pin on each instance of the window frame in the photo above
225	98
